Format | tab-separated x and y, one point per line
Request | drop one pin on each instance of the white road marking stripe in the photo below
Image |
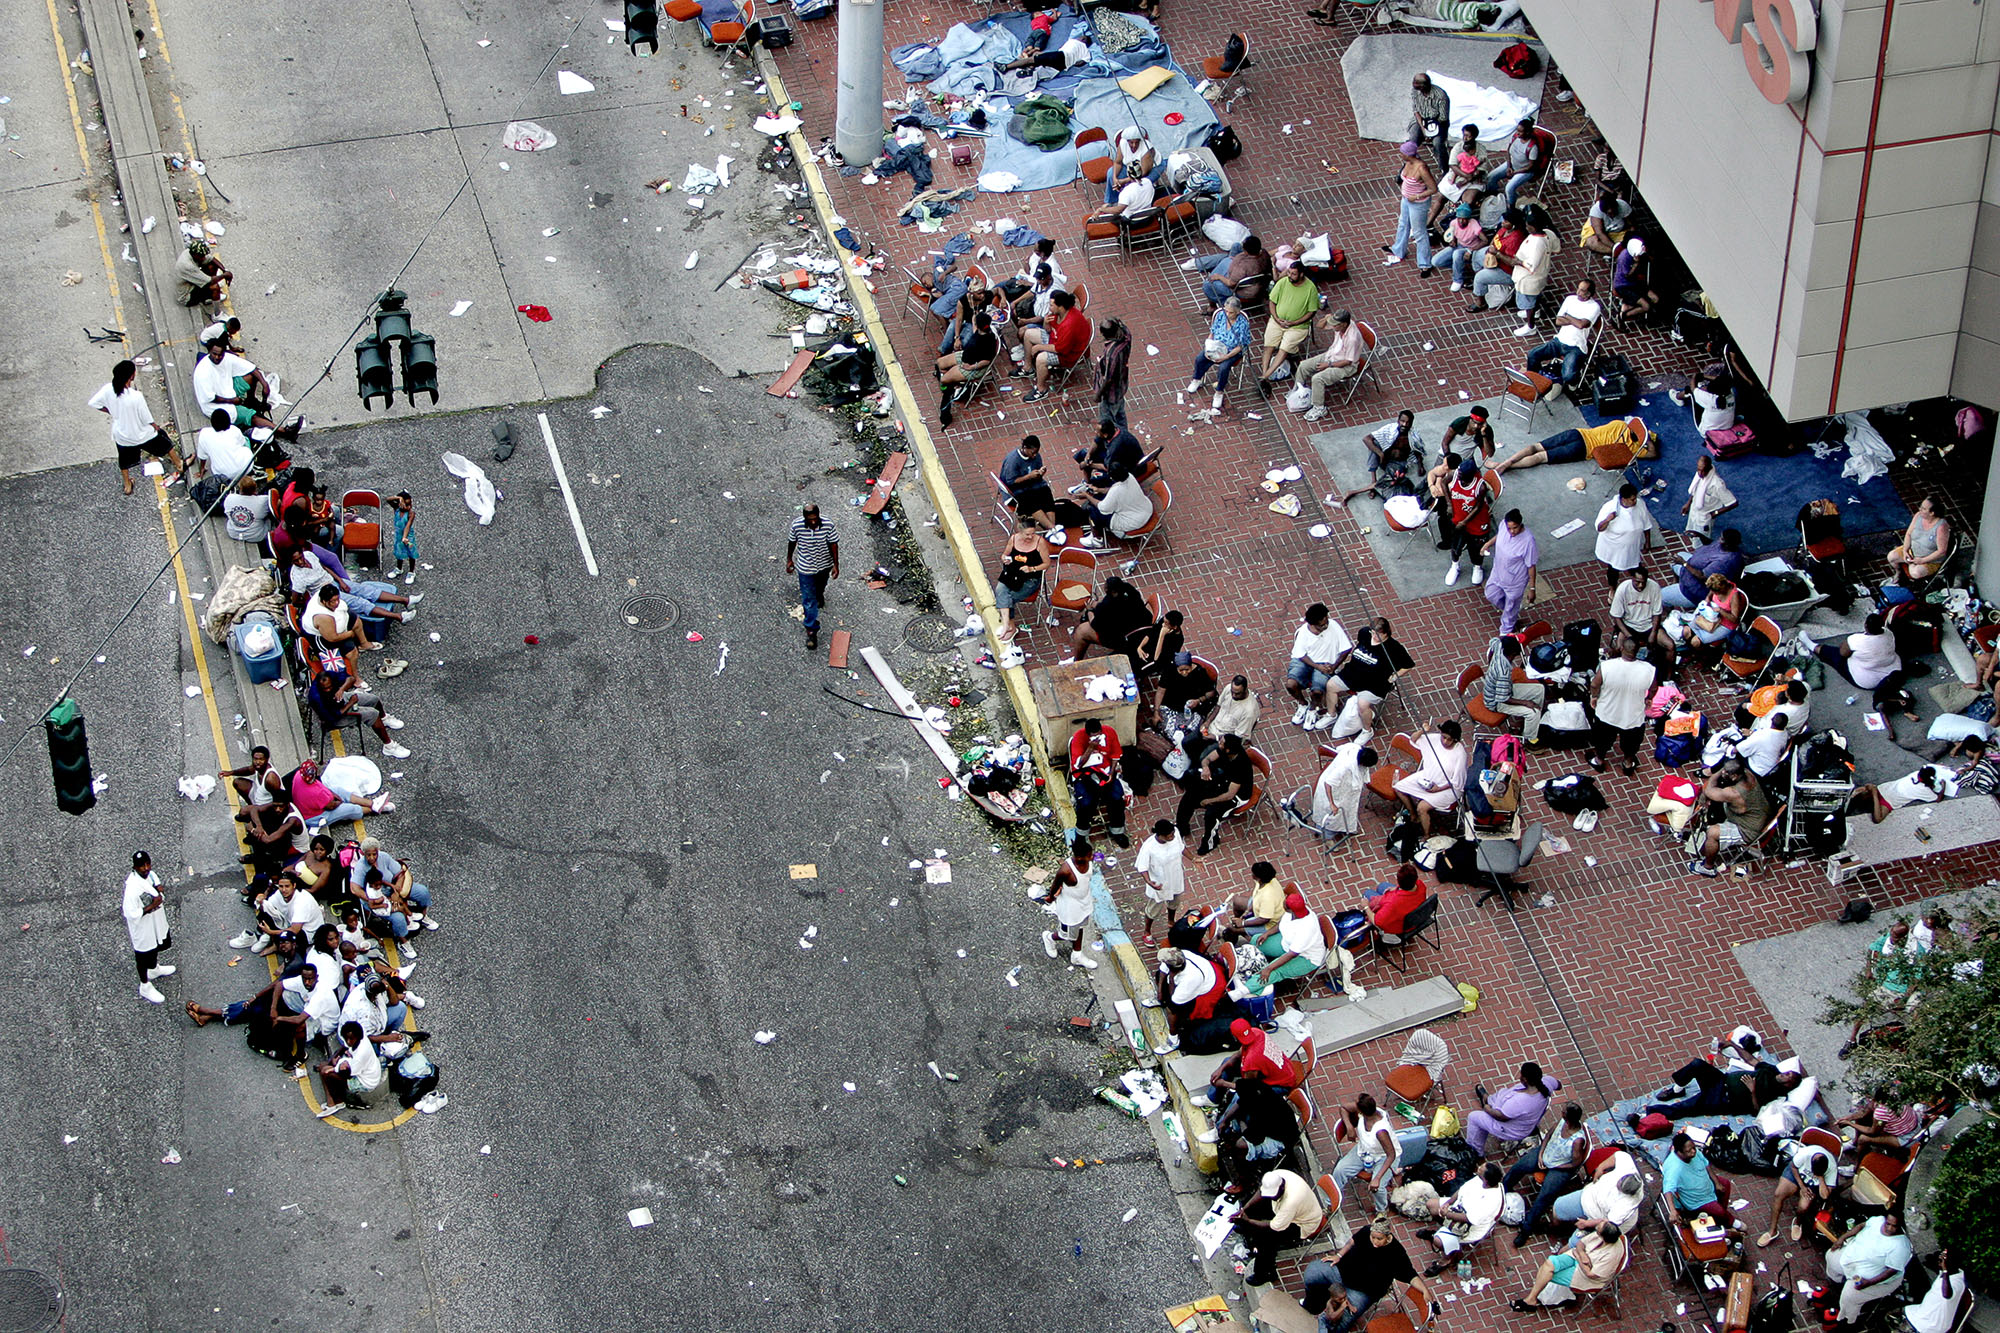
569	496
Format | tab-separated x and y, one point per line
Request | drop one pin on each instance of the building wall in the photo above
1764	200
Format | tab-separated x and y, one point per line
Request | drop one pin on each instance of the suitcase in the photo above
1614	388
1733	442
1584	639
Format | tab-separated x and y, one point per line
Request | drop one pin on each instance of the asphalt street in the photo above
609	820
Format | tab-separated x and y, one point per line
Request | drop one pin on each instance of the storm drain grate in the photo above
649	612
930	634
30	1302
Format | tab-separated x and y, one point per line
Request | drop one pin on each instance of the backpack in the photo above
1613	388
1748	645
1673	751
1222	141
413	1078
1507	749
1653	1125
1401	844
1233	52
1548	656
1518	61
1856	911
1772	1312
206	493
1573	794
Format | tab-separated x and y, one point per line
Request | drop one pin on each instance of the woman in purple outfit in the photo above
1511	1114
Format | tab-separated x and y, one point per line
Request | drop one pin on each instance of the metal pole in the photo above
857	125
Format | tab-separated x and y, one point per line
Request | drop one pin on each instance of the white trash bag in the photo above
479	493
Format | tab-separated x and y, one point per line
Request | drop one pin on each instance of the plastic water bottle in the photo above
1465	1270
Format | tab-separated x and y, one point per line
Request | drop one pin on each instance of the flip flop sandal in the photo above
394	667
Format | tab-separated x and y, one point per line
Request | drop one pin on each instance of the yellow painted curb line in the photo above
1194	1120
971	568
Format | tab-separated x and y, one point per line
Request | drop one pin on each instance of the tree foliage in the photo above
1941	1049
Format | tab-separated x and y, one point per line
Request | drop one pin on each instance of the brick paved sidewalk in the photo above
1629	971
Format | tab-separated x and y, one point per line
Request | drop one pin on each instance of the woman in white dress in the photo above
1624	530
1436	784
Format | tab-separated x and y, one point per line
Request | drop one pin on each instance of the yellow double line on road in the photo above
160	490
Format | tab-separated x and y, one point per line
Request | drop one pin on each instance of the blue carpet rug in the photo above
1769	491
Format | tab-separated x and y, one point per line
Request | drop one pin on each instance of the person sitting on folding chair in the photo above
1467	1217
1094	755
1868	1262
1745	810
1345	353
1286	1210
1336	798
1434	788
960	370
1575	319
1388	906
1594	1256
1296	948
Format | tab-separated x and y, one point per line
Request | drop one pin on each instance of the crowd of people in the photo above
335	920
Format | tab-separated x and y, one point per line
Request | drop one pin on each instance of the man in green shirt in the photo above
1294	301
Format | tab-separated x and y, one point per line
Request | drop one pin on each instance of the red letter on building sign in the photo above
1731	18
1775	47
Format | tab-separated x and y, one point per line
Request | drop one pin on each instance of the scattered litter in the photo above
806	872
568	84
776	125
212	228
525	136
694	257
146	227
961	953
172	1158
694	636
722	661
1567	528
486	1150
460	309
479	493
68	1139
1319	530
435	636
199	787
192	691
766	1038
1014	976
640	1217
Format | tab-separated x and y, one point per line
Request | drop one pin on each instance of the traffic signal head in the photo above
420	367
642	25
69	758
392	321
371	373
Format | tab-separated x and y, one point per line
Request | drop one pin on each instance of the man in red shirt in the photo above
1093	778
1389	905
1066	342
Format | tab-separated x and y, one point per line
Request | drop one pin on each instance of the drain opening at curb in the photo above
649	613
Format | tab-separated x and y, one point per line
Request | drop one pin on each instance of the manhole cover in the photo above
649	612
30	1302
930	634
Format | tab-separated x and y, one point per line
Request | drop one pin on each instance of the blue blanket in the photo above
969	52
1769	491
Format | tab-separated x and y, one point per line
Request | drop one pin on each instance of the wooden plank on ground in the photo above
836	655
892	472
785	383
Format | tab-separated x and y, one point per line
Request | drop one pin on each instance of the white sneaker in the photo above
1049	943
392	722
1216	402
1324	722
1083	960
414	1001
1299	714
151	993
1392	261
1092	542
326	1112
1478	575
1311	719
1316	414
382	805
416	597
1208	1136
1523	330
243	939
1451	575
163	970
431	923
1193	385
1191	266
403	973
395	751
409	615
1458	286
403	950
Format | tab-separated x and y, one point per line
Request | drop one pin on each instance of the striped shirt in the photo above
812	547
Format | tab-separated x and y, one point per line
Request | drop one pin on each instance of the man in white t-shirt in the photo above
222	449
1316	649
1575	318
224	380
1765	747
1618	699
246	513
354	1073
1136	194
133	430
1638	604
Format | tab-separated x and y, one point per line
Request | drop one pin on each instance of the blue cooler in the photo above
257	642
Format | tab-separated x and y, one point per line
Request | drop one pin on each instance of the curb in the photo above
1132	971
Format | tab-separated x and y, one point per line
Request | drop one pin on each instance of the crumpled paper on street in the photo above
199	787
525	136
479	493
700	180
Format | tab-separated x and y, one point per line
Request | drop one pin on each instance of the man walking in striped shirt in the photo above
813	553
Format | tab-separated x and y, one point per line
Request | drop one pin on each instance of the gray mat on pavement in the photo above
1377	70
